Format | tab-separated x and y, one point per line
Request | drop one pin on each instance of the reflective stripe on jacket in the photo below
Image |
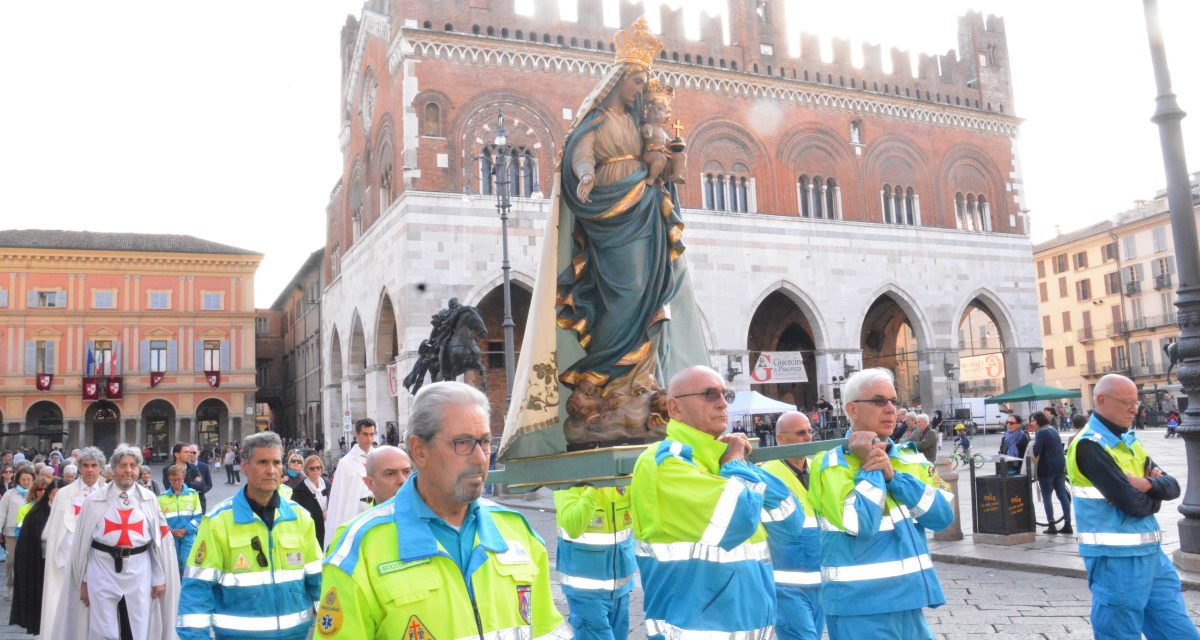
182	510
387	576
700	542
595	541
873	531
1105	530
244	581
797	559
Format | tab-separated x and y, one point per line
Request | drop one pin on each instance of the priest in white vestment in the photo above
122	562
59	535
350	495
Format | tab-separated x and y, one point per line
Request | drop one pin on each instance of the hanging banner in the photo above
44	381
155	378
91	388
214	378
773	367
113	387
347	421
979	368
393	371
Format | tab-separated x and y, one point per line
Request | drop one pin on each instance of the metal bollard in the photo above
950	477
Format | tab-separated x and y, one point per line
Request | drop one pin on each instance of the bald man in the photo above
797	559
1117	490
698	515
388	468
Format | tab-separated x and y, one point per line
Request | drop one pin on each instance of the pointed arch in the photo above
805	302
922	329
999	312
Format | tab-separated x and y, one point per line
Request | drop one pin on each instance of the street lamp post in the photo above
503	205
1167	116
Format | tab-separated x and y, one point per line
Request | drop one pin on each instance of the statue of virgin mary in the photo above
612	315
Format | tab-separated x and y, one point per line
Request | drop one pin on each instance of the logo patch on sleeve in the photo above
524	600
416	630
329	614
201	553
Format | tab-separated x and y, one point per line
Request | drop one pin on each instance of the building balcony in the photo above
1162	281
1115	329
1132	287
1086	334
1103	368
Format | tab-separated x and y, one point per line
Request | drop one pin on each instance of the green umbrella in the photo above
1032	392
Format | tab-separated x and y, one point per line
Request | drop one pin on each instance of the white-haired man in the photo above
875	499
490	569
925	438
59	535
124	579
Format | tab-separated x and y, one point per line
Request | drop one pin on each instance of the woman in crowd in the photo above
312	493
147	480
9	505
295	469
6	478
56	462
30	559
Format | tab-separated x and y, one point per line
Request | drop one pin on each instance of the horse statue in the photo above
452	348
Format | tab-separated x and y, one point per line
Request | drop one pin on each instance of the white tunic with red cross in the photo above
123	525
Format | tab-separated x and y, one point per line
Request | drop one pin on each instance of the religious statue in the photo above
451	349
621	298
659	151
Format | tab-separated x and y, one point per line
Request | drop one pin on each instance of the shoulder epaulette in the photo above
672	449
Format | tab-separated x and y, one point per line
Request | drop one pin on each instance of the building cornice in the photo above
139	262
487	51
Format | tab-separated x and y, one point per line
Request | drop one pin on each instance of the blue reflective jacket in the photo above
873	532
595	541
247	582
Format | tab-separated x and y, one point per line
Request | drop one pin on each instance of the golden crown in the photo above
659	92
637	45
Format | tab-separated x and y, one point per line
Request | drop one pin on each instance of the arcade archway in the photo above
491	307
387	350
334	384
889	342
45	420
103	420
158	418
779	324
211	418
357	369
979	335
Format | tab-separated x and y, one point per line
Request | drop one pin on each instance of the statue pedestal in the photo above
953	532
1186	561
1004	540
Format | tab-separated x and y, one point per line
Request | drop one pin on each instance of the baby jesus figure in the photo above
656	152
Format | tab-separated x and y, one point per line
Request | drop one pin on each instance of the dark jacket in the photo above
1048	447
304	497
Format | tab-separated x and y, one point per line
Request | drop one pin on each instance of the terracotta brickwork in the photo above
430	76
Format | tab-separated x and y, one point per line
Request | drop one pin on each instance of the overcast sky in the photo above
219	119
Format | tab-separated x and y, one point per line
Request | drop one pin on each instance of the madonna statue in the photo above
613	315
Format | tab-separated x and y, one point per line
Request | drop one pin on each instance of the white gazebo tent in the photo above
753	403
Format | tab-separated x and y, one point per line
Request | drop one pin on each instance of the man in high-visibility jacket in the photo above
874	500
437	560
255	569
595	558
1116	491
797	558
180	504
698	515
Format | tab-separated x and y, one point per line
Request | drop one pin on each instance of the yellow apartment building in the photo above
1106	297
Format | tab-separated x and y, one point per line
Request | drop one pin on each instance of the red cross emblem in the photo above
124	526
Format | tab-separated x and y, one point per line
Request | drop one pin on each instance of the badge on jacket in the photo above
201	554
523	600
329	614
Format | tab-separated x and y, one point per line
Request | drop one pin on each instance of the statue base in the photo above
598	420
